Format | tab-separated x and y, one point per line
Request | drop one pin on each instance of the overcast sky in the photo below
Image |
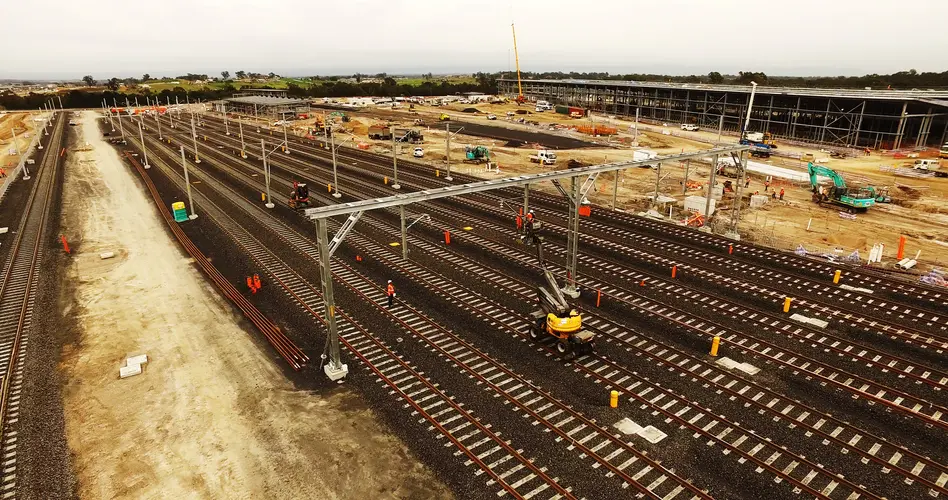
104	38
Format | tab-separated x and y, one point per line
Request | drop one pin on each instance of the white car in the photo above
418	153
689	127
491	116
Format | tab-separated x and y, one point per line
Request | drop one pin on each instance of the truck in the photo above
943	152
544	157
413	136
380	132
690	127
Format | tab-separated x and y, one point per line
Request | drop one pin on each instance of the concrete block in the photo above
758	200
717	192
138	359
730	364
106	255
811	321
856	289
130	371
4	230
652	435
627	426
697	203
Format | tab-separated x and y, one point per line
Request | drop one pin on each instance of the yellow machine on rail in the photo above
556	317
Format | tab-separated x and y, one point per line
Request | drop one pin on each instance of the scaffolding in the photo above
879	119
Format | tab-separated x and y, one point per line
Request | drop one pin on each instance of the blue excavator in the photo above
854	199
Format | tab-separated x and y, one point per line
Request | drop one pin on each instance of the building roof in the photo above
261	100
800	91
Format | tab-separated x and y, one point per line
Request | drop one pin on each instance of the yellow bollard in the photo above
329	187
786	304
386	181
836	276
715	343
263	196
437	173
614	399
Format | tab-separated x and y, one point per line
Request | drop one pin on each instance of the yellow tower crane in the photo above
520	98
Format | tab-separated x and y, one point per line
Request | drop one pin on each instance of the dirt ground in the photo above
23	124
211	416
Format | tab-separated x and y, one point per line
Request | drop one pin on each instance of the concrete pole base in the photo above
733	235
396	186
337	195
39	147
197	161
26	177
269	205
334	373
570	291
449	178
193	216
147	166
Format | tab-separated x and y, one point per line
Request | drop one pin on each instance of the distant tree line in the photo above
340	86
901	80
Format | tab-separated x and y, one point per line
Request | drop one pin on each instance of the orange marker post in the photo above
598	297
65	244
447	237
901	252
730	249
674	271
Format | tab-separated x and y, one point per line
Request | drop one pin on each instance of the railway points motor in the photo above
555	317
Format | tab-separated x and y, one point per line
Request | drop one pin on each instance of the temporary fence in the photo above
24	156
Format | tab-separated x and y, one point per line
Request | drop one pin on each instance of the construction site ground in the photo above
918	210
24	125
211	416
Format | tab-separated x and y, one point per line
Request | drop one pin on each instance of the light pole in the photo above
194	137
240	125
187	185
335	177
394	160
141	135
226	126
158	121
122	128
15	145
286	147
447	147
266	172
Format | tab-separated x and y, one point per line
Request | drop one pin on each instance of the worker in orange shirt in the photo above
390	291
250	285
256	281
781	194
530	218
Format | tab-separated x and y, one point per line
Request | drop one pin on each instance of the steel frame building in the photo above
880	119
266	105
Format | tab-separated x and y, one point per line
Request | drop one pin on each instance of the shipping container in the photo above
563	110
574	109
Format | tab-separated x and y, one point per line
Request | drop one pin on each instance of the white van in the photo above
927	164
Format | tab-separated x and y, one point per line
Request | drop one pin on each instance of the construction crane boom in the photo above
517	61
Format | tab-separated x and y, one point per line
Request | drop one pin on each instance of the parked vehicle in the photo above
943	153
418	153
544	157
690	127
927	164
491	116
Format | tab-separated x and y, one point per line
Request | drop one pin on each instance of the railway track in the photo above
858	310
884	362
806	478
871	453
505	464
522	394
18	288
